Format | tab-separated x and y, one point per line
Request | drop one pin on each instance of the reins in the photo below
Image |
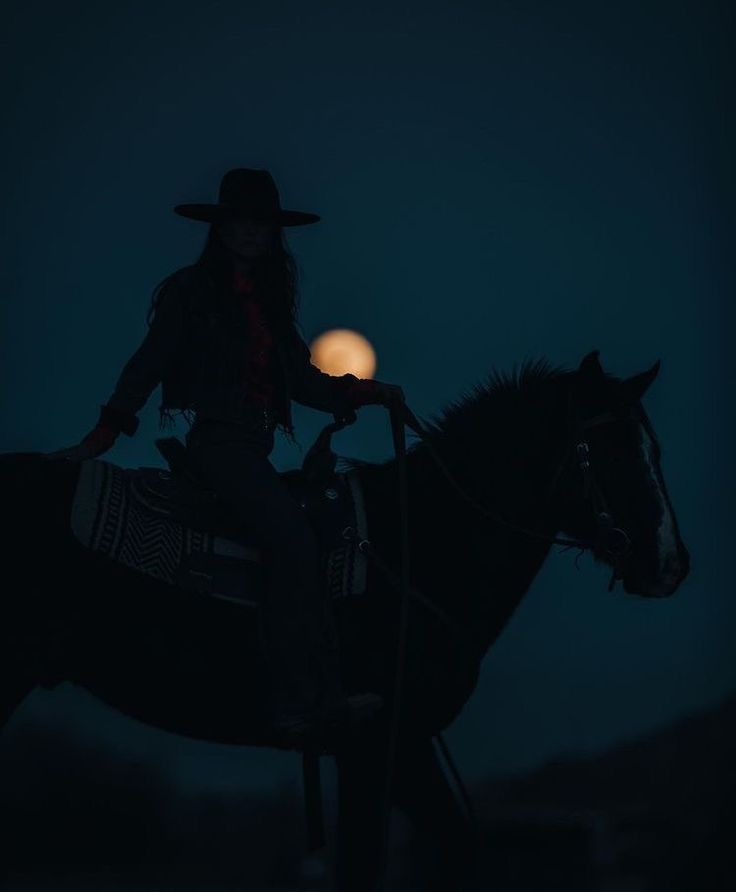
582	450
613	540
399	438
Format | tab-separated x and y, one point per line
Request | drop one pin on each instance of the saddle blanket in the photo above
111	515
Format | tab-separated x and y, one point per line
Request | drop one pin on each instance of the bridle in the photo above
610	539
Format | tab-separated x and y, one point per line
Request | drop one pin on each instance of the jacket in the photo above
197	348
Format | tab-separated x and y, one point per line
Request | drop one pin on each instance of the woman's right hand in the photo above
364	391
97	441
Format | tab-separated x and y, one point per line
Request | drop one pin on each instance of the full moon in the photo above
342	350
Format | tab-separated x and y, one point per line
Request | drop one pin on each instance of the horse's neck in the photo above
475	569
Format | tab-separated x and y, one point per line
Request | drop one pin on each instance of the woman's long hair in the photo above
274	273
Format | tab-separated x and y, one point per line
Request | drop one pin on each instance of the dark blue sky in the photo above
497	180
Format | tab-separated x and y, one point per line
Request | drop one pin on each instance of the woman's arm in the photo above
314	388
139	377
147	366
335	393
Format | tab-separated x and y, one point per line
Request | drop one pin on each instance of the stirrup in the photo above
323	730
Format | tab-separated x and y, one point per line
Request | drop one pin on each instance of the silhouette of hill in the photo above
658	809
655	813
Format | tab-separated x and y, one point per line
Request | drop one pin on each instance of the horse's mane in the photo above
501	391
501	395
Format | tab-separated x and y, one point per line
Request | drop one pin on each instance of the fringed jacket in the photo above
197	348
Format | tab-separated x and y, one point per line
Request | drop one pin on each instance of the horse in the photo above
541	449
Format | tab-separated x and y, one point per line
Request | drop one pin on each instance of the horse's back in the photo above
35	489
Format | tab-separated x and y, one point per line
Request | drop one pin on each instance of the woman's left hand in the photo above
368	391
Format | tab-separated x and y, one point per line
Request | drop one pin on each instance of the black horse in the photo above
186	663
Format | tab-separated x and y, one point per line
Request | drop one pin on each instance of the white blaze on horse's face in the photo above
669	571
631	482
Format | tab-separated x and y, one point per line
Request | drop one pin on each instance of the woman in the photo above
223	344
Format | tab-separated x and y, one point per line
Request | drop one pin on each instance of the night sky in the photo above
497	181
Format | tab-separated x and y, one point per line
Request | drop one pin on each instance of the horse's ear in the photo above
634	388
590	365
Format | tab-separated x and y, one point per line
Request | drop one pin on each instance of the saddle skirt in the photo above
159	523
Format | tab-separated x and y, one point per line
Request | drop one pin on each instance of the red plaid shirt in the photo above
259	381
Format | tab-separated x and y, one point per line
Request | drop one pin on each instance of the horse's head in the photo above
619	498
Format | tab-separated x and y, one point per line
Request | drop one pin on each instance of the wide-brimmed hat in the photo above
245	192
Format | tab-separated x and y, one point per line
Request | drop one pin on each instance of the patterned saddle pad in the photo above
157	523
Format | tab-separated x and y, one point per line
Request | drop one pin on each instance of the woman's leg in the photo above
295	613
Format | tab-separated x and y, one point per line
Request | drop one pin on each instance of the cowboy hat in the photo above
245	192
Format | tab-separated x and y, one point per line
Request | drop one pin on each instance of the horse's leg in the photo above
422	792
19	667
360	801
447	839
16	682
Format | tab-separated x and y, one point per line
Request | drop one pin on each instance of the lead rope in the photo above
399	438
462	789
400	416
310	759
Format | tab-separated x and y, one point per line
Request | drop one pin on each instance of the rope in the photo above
401	415
411	421
462	789
398	434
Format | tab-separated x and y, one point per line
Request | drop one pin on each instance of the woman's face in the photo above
245	237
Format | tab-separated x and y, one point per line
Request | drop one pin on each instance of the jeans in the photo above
297	631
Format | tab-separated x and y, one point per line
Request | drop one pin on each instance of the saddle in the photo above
167	524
